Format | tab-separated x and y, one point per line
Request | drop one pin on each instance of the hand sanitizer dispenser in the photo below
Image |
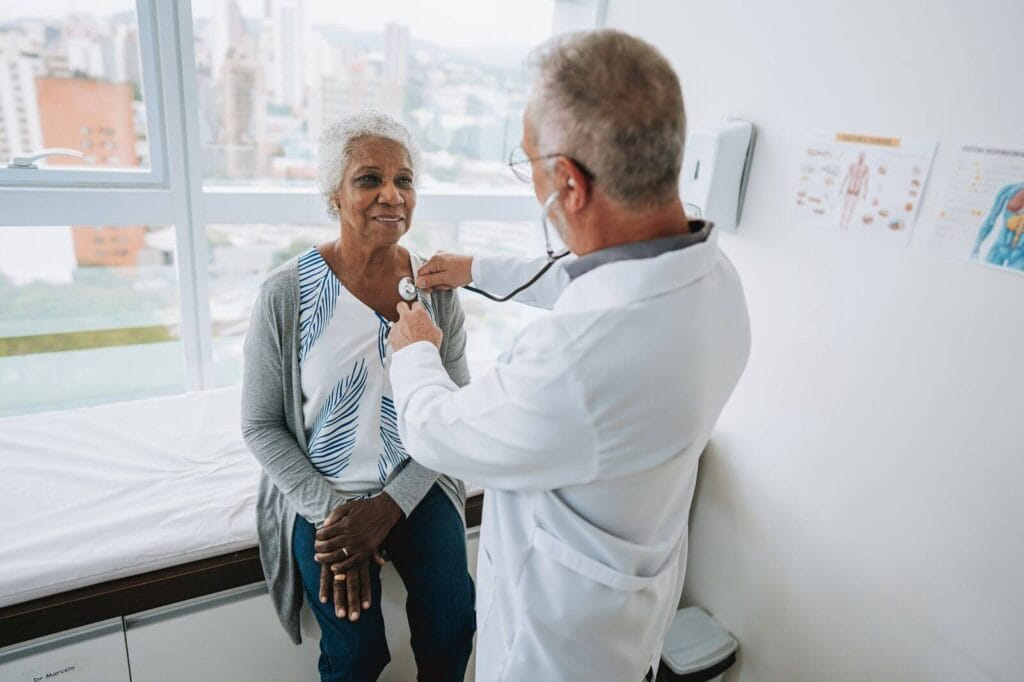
716	163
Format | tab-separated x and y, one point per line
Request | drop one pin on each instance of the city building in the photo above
93	116
243	109
285	33
19	113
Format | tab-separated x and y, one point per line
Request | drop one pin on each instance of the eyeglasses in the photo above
522	165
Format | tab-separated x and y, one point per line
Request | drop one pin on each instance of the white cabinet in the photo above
95	653
232	635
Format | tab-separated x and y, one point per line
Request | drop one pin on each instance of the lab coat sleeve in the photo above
500	275
521	426
412	483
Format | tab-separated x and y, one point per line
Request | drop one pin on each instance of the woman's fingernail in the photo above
353	616
323	600
366	604
341	613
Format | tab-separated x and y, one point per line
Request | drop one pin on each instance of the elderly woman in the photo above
338	491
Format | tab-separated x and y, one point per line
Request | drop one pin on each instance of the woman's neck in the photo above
357	261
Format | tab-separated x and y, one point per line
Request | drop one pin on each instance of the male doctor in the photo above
588	431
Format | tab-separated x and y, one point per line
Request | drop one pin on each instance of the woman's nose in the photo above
389	195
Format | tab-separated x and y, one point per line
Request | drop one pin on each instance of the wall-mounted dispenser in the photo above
716	163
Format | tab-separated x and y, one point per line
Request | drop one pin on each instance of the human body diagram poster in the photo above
866	185
982	218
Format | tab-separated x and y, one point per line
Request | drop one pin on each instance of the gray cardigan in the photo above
273	429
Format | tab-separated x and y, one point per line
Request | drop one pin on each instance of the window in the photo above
272	75
68	70
132	272
90	314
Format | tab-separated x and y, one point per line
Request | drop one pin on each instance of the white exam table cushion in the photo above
106	492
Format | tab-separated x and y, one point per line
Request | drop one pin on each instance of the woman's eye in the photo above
368	179
404	182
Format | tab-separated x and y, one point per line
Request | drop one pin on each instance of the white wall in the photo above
860	515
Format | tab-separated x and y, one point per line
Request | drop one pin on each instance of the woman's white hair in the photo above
339	140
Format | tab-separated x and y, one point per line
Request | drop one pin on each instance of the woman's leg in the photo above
429	552
349	652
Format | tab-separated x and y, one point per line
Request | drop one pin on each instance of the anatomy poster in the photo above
865	185
982	217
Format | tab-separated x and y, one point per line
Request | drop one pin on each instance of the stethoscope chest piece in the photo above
406	289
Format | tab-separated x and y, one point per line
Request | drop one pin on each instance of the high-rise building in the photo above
126	65
19	112
225	32
285	33
84	45
327	103
243	105
396	52
396	65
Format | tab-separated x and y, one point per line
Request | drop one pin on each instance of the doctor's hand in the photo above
353	533
414	324
351	595
445	271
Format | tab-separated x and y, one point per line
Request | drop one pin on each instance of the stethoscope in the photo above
408	291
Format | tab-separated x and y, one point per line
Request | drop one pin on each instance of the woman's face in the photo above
376	196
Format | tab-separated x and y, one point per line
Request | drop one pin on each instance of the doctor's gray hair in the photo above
613	103
339	140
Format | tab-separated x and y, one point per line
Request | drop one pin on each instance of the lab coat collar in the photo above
648	248
628	281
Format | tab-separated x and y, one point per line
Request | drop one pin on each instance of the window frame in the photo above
147	13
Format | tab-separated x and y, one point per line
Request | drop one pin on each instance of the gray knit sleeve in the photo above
264	426
453	346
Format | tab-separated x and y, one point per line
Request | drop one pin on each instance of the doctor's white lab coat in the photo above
586	436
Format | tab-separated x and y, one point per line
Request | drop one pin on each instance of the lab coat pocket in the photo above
580	563
579	613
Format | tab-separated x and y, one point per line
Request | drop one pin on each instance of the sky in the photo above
455	23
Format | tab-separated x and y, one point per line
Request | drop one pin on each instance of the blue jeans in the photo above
428	550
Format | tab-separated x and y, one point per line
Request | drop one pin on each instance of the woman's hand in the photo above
350	591
353	533
445	271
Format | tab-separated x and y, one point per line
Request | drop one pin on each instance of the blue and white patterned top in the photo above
350	419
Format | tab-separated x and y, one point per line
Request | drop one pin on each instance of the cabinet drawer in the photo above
232	635
95	653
